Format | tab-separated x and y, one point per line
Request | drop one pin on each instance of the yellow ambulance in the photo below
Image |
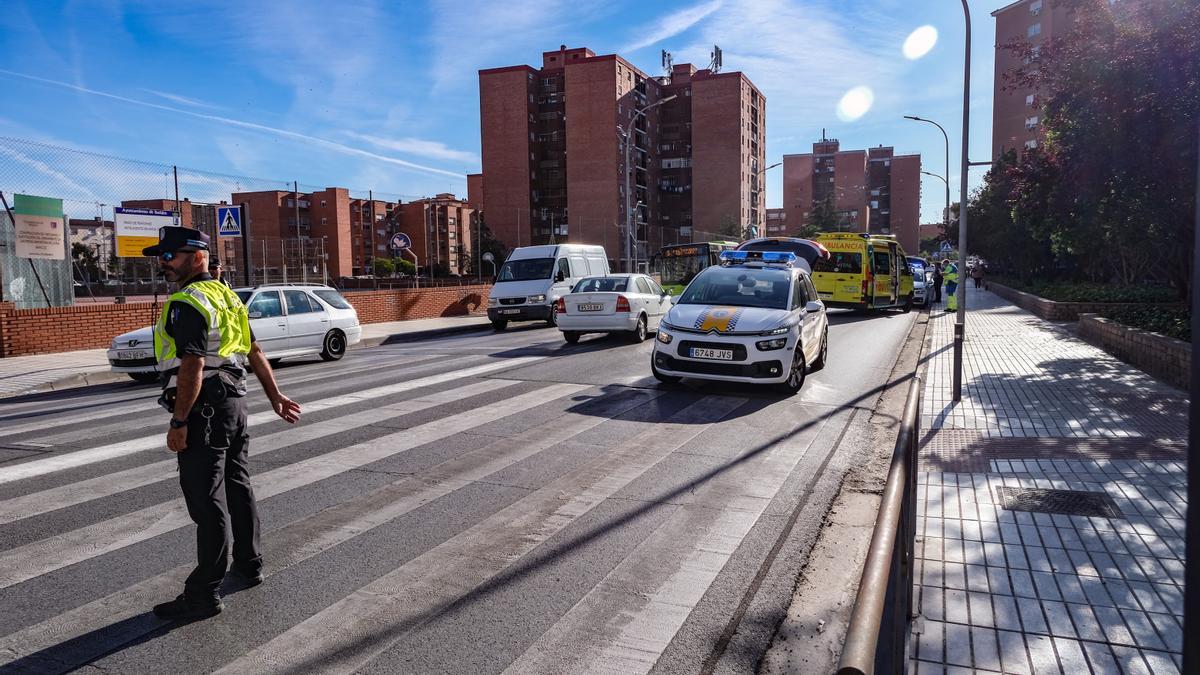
863	271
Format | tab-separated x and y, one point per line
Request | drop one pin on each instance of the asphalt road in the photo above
478	503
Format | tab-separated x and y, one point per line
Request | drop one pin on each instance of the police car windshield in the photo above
766	287
525	270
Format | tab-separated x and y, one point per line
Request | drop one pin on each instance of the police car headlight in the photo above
768	345
665	337
492	302
777	331
534	299
114	344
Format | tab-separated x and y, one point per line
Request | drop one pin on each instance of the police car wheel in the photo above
334	346
796	378
571	336
908	304
144	378
499	325
819	362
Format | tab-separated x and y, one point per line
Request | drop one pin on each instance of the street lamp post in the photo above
960	323
628	134
946	213
946	180
761	190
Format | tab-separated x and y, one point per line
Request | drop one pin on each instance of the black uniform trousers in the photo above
937	289
215	477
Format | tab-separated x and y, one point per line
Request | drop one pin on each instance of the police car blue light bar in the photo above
776	257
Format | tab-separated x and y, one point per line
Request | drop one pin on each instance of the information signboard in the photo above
138	228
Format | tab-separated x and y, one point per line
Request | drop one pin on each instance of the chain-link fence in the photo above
284	243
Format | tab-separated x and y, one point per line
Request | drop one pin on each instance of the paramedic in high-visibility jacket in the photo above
204	345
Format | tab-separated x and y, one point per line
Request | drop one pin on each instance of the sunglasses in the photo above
168	256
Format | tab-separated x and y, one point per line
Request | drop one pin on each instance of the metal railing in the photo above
879	625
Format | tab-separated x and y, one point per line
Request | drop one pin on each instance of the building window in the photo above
1031	122
1035	7
1035	29
324	220
323	204
1029	100
1030	144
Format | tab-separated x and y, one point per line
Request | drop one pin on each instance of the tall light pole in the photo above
960	322
628	134
945	213
762	189
946	180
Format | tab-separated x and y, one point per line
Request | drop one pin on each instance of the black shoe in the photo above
182	609
246	577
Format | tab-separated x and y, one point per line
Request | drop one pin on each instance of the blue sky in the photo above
384	95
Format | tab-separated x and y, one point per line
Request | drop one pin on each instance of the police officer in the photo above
950	274
203	345
216	271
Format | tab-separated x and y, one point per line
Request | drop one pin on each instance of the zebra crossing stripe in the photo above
42	467
46	555
683	556
301	540
37	503
344	636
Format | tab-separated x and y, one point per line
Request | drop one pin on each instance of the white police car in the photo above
755	318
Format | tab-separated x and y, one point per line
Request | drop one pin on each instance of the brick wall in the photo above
1163	357
64	329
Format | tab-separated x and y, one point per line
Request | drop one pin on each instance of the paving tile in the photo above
1172	597
1130	661
1175	569
1169	630
1058	619
1041	654
1022	583
1004	613
998	581
1096	592
1070	656
1047	589
1113	625
981	609
1121	594
977	579
1032	620
957	610
929	646
958	645
954	576
1160	663
994	554
932	607
1015	554
1100	658
1143	631
1060	560
952	550
985	649
1147	598
973	552
1013	655
1036	555
1085	622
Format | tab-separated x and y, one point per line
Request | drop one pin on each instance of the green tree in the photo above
486	242
384	267
85	260
824	217
730	228
403	266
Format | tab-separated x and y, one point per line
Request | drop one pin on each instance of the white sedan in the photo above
632	304
287	320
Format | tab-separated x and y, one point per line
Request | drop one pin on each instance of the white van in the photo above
533	278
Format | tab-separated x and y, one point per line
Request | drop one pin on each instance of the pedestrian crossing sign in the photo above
946	247
229	221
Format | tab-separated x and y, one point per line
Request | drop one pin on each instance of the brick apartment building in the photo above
1016	114
441	230
871	190
776	223
372	223
97	235
323	225
554	156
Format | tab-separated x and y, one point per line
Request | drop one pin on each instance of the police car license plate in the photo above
705	353
510	311
590	307
131	354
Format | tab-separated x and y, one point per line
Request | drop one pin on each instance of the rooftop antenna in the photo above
667	62
715	64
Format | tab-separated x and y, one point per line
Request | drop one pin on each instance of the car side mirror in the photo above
560	277
255	315
814	306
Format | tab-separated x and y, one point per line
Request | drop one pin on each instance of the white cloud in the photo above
919	42
327	144
673	24
855	103
419	147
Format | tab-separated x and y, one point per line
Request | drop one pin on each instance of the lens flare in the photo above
855	103
919	42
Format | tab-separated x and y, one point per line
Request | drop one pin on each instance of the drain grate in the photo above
1065	502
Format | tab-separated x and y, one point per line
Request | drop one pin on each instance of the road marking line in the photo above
305	538
46	555
337	639
105	452
36	503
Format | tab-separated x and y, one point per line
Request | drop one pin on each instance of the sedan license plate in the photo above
590	307
719	354
510	311
131	354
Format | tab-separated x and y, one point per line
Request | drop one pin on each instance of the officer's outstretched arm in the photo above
285	407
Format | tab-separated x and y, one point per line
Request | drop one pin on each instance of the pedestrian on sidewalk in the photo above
203	345
977	274
937	282
950	275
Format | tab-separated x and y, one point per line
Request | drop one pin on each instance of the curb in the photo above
99	377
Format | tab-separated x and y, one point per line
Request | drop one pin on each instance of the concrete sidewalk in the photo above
1050	533
49	372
